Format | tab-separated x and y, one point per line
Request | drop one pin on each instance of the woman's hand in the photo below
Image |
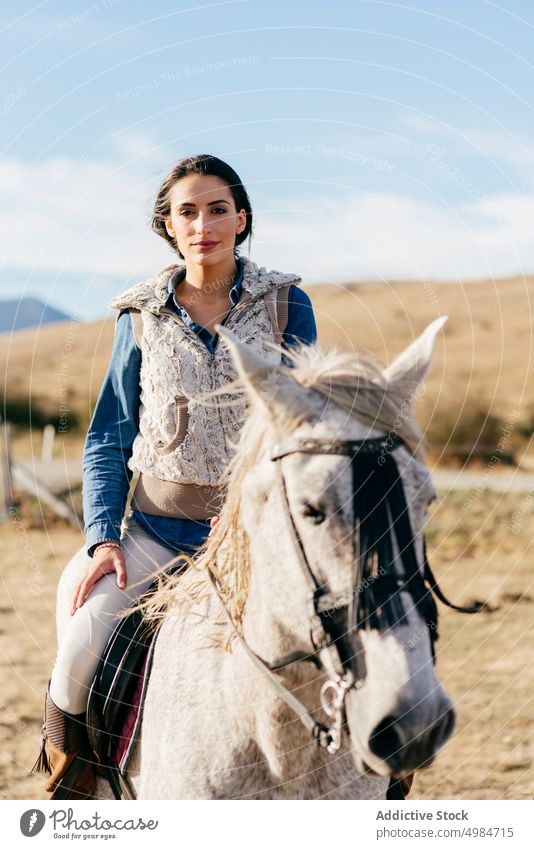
214	521
105	561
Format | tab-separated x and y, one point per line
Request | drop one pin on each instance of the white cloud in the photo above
135	143
497	146
86	216
395	236
503	147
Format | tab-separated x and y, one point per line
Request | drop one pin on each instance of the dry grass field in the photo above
480	544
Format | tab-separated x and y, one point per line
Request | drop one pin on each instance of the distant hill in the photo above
27	312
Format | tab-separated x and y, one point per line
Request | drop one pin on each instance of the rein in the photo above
347	673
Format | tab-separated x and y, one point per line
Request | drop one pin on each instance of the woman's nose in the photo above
202	224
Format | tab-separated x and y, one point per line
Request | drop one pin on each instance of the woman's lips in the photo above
205	246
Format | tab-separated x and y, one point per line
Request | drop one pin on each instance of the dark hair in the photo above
203	163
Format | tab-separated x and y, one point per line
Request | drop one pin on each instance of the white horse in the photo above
217	723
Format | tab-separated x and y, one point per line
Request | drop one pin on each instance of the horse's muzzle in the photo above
406	746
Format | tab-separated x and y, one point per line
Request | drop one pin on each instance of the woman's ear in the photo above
242	215
169	228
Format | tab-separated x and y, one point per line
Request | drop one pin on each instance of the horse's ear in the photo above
261	379
251	366
411	367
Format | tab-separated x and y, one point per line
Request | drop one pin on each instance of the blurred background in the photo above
388	152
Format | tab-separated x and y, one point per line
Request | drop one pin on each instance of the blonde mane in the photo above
348	380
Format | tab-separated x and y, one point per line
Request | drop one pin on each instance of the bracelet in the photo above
107	544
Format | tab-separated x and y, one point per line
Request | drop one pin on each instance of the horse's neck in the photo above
277	729
255	732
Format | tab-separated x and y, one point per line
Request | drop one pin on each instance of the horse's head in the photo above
335	535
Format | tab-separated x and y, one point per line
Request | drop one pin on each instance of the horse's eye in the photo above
314	514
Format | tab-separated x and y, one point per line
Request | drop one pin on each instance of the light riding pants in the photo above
90	628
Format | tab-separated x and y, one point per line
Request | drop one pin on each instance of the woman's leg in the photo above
90	628
65	752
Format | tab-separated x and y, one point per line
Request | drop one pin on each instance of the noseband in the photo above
379	510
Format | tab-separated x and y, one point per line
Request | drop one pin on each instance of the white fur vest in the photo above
181	439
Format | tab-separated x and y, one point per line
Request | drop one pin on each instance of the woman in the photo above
150	419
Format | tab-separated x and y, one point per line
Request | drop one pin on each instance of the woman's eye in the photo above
314	514
217	209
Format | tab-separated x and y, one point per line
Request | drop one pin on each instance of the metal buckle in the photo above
333	706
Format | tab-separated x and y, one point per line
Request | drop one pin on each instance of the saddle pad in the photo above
119	676
132	723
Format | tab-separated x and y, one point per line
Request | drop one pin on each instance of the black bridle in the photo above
380	512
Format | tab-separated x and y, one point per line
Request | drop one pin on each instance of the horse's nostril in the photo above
385	742
442	729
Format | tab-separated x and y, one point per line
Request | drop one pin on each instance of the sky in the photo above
377	140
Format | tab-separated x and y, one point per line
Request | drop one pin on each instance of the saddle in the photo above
116	698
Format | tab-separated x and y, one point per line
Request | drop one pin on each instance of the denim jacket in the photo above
114	426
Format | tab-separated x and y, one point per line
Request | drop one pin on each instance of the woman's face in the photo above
203	211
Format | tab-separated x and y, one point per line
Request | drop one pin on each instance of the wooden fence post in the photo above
47	446
6	498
